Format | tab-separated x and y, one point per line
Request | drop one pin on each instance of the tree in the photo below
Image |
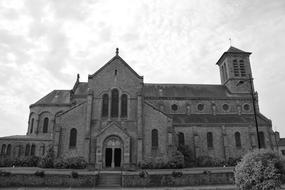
258	170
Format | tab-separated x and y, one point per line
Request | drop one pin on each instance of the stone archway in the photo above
113	152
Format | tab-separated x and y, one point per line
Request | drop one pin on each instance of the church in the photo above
116	120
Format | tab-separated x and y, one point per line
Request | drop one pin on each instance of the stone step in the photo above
109	180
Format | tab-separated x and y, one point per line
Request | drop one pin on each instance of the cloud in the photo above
45	44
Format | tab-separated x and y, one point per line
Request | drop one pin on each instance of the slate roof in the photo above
25	137
55	97
281	142
219	119
81	89
185	90
232	50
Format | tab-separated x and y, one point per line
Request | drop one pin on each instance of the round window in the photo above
246	107
226	107
200	107
174	107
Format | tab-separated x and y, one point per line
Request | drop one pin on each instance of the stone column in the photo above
57	140
113	158
140	129
88	124
225	143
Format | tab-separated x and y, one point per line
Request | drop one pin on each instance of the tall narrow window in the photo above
27	151
181	140
225	67
72	138
242	68
8	151
236	69
20	148
261	139
45	126
3	149
237	139
154	138
124	105
210	140
32	125
105	105
33	150
115	103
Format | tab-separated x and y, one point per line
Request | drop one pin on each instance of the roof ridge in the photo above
180	84
110	61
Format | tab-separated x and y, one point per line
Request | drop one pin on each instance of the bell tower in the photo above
235	70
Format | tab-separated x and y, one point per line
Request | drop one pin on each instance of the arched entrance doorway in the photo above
113	149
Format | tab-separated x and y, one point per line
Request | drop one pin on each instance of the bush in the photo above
76	163
40	173
207	161
74	174
143	174
61	163
177	160
72	163
233	161
189	160
48	160
258	170
177	174
5	173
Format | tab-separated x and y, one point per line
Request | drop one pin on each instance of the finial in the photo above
117	51
78	76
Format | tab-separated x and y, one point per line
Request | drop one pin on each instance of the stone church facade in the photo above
115	119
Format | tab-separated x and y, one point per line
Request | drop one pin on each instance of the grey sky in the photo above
44	44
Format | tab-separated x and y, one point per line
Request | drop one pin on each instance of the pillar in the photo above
140	130
88	125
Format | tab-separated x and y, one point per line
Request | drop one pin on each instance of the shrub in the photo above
177	160
48	160
40	173
207	161
177	174
232	161
258	170
5	173
76	163
143	174
189	160
61	163
74	174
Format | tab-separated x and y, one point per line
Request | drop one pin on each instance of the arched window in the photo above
154	138
33	150
242	68
261	139
105	105
27	151
237	139
124	105
45	127
3	149
32	125
8	151
72	138
181	141
210	140
115	103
